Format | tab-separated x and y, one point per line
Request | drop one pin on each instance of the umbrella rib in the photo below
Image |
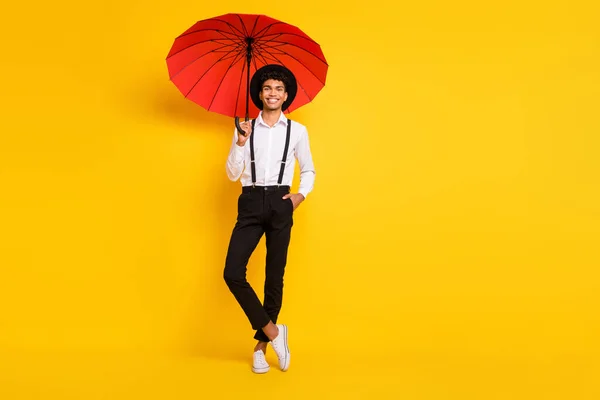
264	45
268	41
254	27
197	58
222	79
204	74
267	57
241	34
300	62
193	61
212	30
255	63
258	54
291	34
203	41
298	83
230	54
218	41
266	28
243	25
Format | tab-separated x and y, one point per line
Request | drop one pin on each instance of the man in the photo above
263	157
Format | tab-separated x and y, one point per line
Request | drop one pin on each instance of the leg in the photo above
278	233
244	239
270	332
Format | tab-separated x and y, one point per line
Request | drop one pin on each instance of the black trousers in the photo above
261	210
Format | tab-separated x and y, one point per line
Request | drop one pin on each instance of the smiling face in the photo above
273	94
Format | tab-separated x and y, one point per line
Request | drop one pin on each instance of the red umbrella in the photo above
211	63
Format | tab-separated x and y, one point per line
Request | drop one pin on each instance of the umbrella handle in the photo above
237	125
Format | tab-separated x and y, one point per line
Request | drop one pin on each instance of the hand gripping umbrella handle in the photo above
237	125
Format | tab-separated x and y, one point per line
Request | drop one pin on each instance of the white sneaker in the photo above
260	364
280	345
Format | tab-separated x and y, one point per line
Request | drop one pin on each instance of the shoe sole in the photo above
260	370
286	362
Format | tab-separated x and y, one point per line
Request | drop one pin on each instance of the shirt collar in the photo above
282	119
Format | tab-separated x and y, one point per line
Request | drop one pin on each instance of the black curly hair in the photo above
275	75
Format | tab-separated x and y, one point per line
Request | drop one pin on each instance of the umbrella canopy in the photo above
211	62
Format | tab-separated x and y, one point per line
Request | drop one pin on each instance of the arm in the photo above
307	168
235	160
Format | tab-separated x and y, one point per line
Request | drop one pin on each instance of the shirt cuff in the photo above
304	193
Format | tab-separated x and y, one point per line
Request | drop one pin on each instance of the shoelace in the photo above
260	355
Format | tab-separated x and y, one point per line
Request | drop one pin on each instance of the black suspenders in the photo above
252	154
285	151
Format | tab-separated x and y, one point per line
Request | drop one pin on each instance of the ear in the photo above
285	97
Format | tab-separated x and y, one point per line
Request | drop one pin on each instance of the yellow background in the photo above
450	249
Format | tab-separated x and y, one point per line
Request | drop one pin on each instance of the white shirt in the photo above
269	144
